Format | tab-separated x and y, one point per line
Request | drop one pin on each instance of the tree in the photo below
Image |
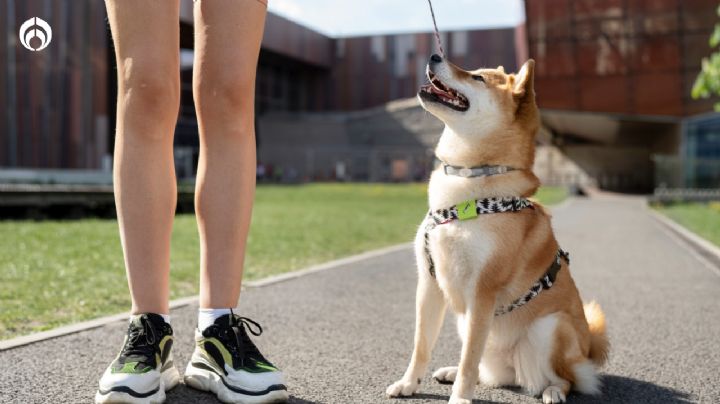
707	82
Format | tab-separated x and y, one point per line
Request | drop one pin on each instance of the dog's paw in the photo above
403	388
446	375
458	400
553	395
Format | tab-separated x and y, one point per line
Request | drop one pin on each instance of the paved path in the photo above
343	335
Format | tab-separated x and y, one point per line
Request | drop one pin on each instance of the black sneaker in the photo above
144	369
227	363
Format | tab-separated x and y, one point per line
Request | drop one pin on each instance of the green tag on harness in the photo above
466	210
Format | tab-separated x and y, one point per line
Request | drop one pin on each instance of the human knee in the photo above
226	93
152	89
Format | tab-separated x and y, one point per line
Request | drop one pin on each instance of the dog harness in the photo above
471	209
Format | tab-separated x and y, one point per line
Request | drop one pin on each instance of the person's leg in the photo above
227	44
146	37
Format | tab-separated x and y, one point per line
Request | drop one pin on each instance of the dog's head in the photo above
473	103
484	107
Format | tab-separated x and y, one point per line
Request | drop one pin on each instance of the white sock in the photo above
207	317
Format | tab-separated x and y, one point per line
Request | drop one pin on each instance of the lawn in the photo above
703	219
59	272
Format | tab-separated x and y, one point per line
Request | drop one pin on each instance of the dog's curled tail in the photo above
599	344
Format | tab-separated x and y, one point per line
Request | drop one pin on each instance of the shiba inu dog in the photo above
488	253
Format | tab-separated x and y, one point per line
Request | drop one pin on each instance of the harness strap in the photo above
471	209
468	210
543	283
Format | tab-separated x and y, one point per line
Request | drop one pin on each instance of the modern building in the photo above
613	80
58	104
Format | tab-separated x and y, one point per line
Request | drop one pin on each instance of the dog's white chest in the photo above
460	251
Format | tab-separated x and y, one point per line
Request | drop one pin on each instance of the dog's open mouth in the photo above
443	94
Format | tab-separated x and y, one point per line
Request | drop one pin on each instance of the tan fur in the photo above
489	261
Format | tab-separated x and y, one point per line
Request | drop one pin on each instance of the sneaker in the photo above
144	369
227	363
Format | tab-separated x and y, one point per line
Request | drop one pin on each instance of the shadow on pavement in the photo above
439	398
184	394
619	389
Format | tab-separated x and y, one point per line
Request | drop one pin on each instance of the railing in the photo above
672	172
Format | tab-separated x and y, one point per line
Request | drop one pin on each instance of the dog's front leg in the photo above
478	316
429	312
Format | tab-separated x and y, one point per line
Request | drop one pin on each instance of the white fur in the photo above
484	114
446	374
531	358
586	378
553	395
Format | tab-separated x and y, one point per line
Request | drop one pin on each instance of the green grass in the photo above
702	219
59	272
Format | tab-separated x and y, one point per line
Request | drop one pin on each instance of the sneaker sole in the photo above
206	380
168	379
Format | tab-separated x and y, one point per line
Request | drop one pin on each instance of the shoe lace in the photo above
141	339
240	344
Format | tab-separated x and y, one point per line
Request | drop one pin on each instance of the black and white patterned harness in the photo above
471	209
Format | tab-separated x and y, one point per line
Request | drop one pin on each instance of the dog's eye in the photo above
478	77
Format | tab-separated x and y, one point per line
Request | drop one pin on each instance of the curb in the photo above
703	250
181	302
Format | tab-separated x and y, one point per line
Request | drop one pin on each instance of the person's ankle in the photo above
165	317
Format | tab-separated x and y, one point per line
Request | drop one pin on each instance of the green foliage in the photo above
707	82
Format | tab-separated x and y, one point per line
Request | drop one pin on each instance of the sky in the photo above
361	17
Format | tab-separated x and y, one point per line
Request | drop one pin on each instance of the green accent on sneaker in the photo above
131	367
265	367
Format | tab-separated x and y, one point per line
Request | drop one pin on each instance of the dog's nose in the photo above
435	58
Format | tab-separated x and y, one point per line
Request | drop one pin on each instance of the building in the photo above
613	80
59	103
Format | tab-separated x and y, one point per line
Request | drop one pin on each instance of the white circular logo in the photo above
35	28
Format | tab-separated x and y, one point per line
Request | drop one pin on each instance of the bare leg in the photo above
430	312
227	45
146	40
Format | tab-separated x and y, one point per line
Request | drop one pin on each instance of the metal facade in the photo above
637	57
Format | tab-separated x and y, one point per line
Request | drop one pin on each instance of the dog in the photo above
490	268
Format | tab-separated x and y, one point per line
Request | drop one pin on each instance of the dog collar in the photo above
480	171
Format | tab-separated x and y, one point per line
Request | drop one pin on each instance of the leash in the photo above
437	33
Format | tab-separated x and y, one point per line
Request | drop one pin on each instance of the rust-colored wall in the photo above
621	56
53	102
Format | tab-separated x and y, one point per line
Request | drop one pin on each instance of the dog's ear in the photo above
524	80
501	69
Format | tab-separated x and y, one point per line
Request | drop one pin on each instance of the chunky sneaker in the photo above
227	363
144	369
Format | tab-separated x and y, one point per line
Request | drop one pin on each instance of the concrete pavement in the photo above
343	335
